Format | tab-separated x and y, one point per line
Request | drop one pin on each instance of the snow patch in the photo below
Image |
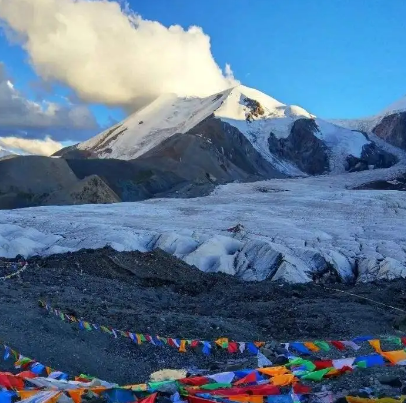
367	124
341	142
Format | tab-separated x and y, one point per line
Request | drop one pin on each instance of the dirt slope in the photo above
157	294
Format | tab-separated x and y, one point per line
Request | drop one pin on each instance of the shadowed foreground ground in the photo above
155	293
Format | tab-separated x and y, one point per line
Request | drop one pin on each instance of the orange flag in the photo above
394	356
54	399
284	380
25	394
376	344
76	395
182	347
274	371
311	346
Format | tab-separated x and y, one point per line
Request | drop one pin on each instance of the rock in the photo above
394	382
90	190
372	157
302	147
400	323
392	129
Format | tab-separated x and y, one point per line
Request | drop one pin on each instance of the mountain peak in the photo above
170	114
397	106
5	152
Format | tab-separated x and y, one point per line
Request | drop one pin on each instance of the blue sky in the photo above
335	58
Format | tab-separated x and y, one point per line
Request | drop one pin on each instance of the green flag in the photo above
322	345
316	375
213	386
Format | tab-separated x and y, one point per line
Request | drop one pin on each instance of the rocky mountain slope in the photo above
389	124
278	138
184	147
35	180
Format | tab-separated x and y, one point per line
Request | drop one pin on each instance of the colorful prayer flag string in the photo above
304	348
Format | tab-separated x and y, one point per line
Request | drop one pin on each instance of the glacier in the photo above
296	230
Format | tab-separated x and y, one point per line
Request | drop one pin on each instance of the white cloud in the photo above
15	109
18	114
110	55
47	146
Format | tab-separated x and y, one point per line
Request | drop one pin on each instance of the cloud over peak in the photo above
110	55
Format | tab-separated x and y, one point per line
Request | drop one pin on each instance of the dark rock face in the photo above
72	152
255	107
302	147
311	155
371	156
398	183
393	129
235	147
212	151
34	181
129	180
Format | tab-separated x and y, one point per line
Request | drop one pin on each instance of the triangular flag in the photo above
149	399
316	375
376	344
311	346
323	345
6	353
76	395
250	378
232	347
222	342
25	394
338	345
351	344
182	347
262	360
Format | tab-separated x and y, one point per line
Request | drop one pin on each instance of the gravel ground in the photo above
157	294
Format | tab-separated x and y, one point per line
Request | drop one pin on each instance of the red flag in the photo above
195	381
232	347
9	381
257	390
323	364
27	374
250	378
194	399
301	389
338	345
149	399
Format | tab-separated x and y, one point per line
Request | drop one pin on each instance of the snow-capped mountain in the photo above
170	114
389	124
282	138
5	152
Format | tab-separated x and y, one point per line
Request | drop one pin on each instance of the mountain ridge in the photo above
186	146
264	121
